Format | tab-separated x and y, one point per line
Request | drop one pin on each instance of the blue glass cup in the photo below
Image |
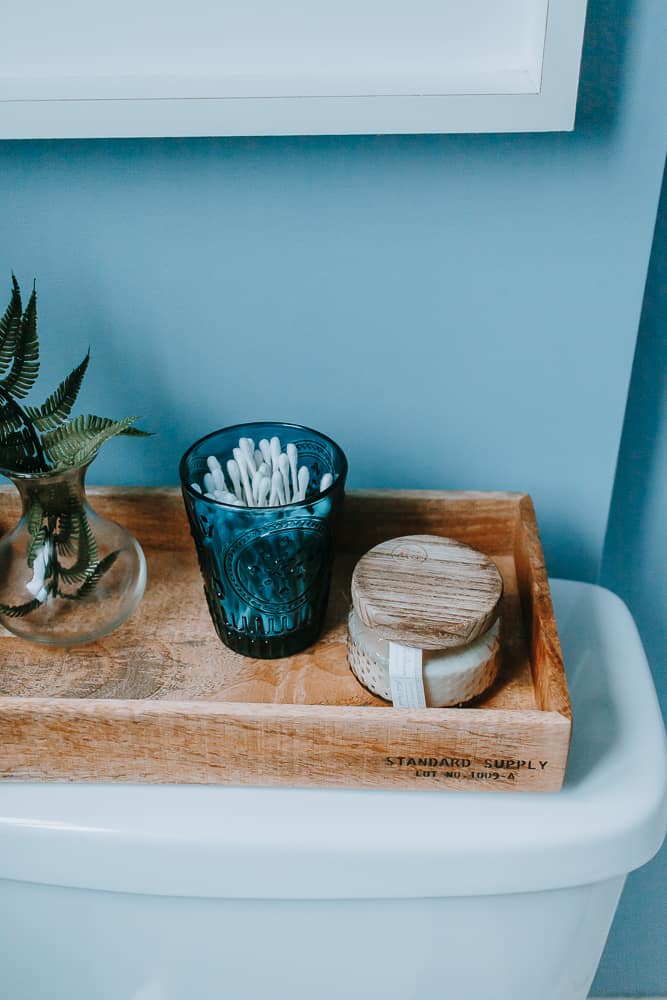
266	570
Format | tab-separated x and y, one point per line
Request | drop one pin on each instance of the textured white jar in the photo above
451	676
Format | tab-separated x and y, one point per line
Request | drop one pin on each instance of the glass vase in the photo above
67	575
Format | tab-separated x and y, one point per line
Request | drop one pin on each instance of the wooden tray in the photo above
162	700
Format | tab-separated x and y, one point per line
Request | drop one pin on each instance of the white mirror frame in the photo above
299	67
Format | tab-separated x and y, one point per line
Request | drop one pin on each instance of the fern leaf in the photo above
66	536
86	552
19	610
10	326
36	530
136	431
95	575
25	368
78	440
17	452
58	406
11	420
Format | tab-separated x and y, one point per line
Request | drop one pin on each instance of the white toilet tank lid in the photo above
306	844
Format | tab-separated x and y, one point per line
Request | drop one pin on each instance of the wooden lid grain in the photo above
426	591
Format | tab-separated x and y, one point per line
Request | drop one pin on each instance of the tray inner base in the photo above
169	651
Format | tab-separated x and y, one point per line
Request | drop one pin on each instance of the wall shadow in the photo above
608	25
640	465
634	566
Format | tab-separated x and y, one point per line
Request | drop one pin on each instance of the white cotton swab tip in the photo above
256	483
277	488
260	476
247	447
304	477
283	465
226	497
235	476
242	461
265	449
293	458
264	490
275	453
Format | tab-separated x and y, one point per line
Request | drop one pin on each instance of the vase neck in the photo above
54	490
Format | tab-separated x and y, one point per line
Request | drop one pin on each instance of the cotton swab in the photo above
265	449
283	465
241	460
277	496
217	473
275	453
292	457
303	478
262	476
247	446
257	477
235	476
264	490
226	497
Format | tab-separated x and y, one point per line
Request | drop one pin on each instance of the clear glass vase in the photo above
67	575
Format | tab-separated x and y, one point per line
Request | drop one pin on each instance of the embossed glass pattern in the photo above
266	570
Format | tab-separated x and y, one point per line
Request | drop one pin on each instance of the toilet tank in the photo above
113	892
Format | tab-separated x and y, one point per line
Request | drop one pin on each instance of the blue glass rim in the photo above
187	486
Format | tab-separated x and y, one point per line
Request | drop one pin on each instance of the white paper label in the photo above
405	676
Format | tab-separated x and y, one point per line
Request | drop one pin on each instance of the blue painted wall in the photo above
634	564
457	311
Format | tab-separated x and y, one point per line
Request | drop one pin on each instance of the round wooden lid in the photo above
426	591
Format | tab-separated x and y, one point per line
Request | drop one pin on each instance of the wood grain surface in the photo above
161	699
426	591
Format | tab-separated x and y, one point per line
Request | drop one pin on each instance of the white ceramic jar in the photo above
425	621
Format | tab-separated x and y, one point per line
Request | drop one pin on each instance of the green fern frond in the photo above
19	610
11	419
41	439
94	576
25	368
36	530
77	441
10	326
17	452
58	406
136	431
86	553
65	537
18	437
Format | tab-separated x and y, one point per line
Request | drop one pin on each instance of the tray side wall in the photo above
484	520
545	651
145	740
282	745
